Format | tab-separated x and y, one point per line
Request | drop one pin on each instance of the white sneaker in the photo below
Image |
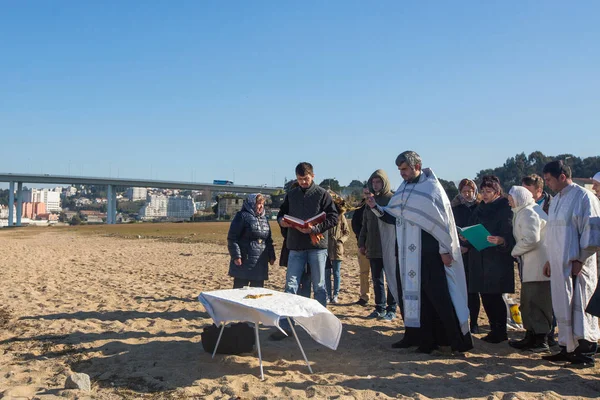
335	300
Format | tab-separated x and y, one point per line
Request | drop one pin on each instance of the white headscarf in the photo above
521	196
597	177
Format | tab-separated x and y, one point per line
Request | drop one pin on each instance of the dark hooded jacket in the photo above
357	219
369	233
305	204
492	270
249	238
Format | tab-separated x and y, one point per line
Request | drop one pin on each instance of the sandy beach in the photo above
125	312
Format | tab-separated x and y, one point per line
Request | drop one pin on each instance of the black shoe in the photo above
579	365
495	337
524	344
403	344
362	302
475	329
426	349
540	344
466	344
558	357
552	341
278	335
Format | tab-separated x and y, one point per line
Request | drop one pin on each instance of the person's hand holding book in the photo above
306	230
497	240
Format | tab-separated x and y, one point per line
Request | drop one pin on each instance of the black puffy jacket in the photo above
249	238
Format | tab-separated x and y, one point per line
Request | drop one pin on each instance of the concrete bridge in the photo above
111	184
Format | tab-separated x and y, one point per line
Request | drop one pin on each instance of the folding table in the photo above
266	306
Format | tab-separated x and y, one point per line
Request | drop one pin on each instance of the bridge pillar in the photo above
113	213
109	204
11	203
19	202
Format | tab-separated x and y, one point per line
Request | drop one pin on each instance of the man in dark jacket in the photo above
306	245
375	242
363	262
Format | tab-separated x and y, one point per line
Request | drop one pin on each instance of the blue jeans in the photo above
378	275
296	262
305	283
295	271
337	279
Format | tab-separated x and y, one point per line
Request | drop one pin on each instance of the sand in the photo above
124	311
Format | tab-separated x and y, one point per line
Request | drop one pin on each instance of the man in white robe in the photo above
434	289
572	239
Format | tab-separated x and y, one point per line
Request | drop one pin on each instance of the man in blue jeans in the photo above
306	245
377	242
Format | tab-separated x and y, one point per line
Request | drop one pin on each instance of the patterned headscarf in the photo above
250	205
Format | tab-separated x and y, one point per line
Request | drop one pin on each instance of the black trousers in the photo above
494	307
239	283
474	307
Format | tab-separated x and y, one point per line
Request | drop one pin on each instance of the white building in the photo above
175	207
4	212
136	193
49	197
70	191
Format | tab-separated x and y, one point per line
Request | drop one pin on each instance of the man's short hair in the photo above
557	168
304	168
533	180
409	157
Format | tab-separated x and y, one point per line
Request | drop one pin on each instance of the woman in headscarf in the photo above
463	206
529	225
491	270
250	244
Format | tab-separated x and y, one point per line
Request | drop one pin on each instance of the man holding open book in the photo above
302	212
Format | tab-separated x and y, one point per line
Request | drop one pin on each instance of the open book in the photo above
299	223
477	236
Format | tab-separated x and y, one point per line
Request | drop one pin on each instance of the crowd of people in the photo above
409	241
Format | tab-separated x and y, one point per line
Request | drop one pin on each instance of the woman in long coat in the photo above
491	270
463	206
250	244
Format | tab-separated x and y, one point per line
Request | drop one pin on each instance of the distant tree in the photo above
4	196
356	184
330	183
590	166
515	168
130	207
450	188
288	185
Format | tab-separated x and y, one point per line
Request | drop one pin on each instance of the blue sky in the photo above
209	90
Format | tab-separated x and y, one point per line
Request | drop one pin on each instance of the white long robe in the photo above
427	208
573	233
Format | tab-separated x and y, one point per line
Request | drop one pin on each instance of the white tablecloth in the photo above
230	306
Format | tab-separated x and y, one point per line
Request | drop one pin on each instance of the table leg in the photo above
218	340
262	375
299	345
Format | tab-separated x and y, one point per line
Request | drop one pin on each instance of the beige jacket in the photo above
337	237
